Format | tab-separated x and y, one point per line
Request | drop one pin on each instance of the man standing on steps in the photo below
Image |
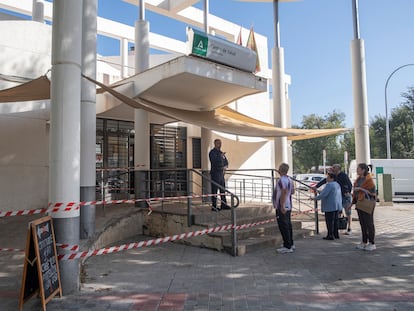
282	202
219	164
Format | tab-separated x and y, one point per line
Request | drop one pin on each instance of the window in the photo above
196	143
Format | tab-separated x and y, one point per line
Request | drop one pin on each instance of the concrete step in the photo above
260	236
254	243
172	220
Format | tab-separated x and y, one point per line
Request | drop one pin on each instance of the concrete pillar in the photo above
359	86
385	192
38	11
206	146
279	105
88	120
124	58
141	125
64	170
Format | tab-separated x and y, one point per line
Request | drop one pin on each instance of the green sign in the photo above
220	50
200	45
379	170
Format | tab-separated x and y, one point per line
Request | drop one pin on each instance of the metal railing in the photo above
250	185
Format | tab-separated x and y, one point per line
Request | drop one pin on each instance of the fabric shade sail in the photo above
222	119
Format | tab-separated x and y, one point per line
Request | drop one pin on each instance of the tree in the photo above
308	153
401	131
377	135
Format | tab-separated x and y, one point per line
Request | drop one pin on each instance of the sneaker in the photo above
361	246
215	209
370	247
293	246
349	232
284	250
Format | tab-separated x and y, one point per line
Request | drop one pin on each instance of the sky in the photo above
316	36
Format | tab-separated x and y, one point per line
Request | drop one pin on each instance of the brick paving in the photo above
320	275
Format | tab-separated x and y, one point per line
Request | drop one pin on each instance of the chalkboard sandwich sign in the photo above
41	269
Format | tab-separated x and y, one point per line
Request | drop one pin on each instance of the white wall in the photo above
24	139
23	163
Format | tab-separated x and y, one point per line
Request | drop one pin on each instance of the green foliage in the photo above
309	153
401	130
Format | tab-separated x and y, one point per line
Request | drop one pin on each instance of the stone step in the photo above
171	220
254	243
256	231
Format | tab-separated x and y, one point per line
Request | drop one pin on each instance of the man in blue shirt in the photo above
219	163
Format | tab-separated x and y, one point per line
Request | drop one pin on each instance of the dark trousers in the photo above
366	221
331	219
285	226
215	188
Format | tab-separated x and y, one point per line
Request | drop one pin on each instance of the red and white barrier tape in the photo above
71	206
11	250
124	247
182	236
72	248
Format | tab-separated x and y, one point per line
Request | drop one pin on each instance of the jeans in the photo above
215	188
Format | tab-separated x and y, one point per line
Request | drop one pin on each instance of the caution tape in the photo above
124	247
114	249
11	250
72	206
72	248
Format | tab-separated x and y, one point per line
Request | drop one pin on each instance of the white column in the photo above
141	125
359	86
206	146
88	120
64	171
124	58
38	11
279	105
206	134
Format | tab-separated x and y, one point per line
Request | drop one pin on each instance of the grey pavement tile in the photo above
318	276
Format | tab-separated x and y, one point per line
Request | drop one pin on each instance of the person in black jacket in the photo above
219	163
346	189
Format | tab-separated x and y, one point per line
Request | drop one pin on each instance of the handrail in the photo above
234	200
233	206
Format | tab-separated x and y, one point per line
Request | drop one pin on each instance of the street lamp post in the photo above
387	123
359	87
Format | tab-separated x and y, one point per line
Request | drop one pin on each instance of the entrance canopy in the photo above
193	83
187	89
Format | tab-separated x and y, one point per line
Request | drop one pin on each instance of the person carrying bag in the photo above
364	197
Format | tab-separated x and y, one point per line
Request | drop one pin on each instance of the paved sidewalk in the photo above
320	275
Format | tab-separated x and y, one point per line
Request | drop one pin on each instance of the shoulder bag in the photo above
366	205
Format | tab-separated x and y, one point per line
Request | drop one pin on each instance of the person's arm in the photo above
324	193
283	198
319	184
225	161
